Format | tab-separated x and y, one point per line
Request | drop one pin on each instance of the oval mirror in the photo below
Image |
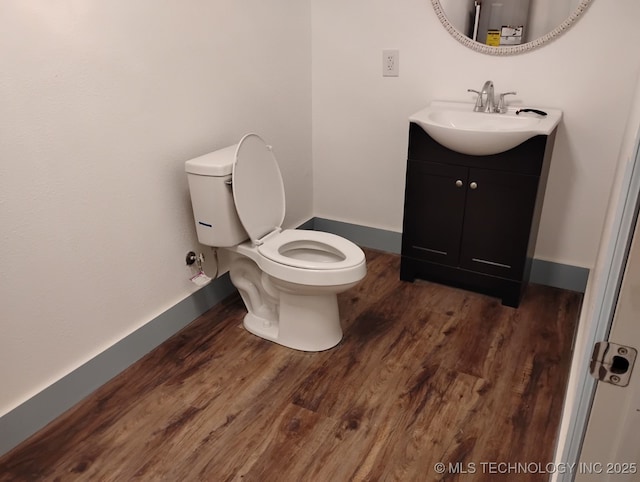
505	27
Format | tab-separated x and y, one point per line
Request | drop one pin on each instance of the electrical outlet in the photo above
390	63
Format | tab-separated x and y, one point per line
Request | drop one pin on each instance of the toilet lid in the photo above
258	190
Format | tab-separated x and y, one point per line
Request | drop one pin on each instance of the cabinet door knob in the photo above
473	185
459	183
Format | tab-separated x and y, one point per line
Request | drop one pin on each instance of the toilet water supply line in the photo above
201	278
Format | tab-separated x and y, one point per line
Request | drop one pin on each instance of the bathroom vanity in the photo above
471	221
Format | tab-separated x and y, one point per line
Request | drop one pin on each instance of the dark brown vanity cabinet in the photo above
472	221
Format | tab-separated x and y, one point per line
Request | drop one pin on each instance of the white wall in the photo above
360	118
101	102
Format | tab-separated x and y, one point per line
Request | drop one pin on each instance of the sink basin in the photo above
456	126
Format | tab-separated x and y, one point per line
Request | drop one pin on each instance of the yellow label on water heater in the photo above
493	38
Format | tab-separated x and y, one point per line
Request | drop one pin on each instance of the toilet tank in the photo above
214	211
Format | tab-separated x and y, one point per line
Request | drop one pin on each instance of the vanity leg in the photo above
511	297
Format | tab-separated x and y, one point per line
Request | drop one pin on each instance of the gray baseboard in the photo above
374	238
26	419
563	276
32	415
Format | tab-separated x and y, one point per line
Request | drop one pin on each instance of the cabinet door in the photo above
434	210
498	213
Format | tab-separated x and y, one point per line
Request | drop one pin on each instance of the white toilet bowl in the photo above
288	279
291	286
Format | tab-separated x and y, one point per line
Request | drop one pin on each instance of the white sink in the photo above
455	125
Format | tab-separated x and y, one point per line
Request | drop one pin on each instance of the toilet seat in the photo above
316	250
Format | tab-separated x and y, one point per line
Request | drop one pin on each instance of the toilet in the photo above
288	278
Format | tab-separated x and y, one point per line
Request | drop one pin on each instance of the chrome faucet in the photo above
486	101
487	92
487	89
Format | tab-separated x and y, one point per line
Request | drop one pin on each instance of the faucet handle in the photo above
479	107
502	105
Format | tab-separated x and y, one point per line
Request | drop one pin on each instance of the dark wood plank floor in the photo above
425	374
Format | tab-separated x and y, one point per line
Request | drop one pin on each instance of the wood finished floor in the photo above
425	374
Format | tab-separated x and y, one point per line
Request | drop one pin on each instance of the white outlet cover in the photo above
390	63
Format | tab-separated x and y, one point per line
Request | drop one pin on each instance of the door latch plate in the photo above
612	363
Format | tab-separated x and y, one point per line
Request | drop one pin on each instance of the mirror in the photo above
505	27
